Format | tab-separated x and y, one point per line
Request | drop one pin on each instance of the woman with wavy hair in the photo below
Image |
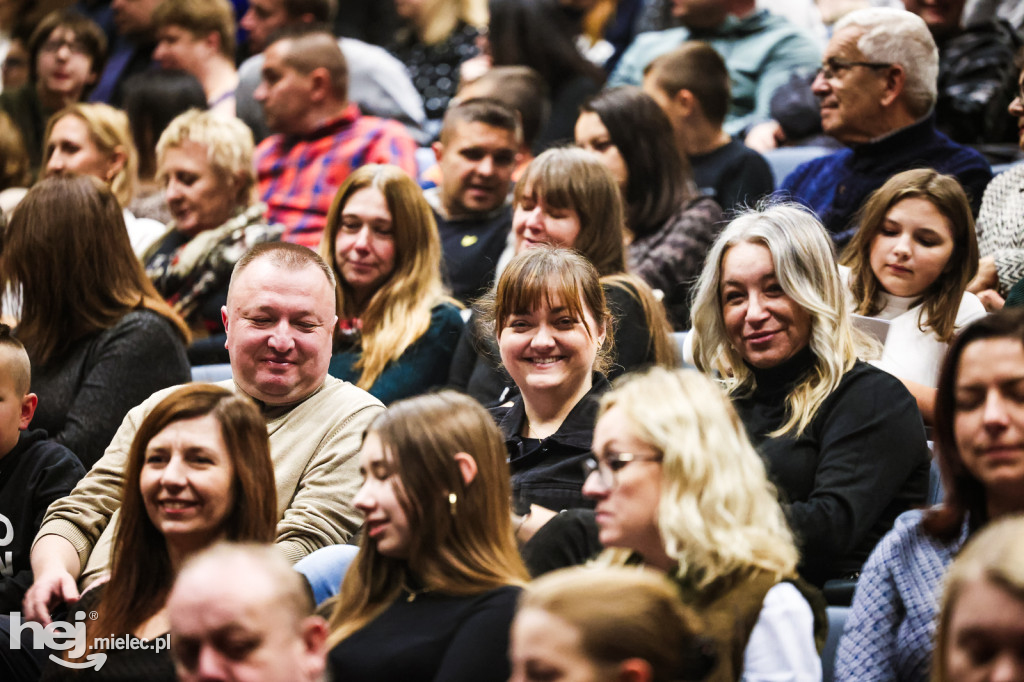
397	327
199	470
604	625
566	198
680	489
909	263
670	226
95	139
843	441
100	338
432	591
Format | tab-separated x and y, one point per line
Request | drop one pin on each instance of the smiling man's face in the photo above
279	323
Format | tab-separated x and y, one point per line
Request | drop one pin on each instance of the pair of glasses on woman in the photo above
607	468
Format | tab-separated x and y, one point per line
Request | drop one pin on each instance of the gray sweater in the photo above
85	394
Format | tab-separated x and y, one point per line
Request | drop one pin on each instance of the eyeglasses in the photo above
834	66
76	46
607	468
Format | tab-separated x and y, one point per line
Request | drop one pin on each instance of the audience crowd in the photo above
533	340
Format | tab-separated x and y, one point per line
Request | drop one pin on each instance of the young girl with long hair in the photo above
910	263
567	198
398	328
433	588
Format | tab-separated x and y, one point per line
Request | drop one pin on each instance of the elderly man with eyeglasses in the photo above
877	90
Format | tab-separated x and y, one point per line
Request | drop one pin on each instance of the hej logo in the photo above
59	636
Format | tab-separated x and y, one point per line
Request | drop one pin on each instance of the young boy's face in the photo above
16	406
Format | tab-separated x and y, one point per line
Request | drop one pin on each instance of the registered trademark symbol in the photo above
93	615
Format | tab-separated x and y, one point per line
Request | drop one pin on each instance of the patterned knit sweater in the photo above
1001	226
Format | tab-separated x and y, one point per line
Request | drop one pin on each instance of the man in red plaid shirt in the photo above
320	136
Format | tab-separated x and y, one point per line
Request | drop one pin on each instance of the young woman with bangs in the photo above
432	592
910	263
397	327
554	332
566	198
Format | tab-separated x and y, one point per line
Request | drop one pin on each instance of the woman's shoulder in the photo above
971	309
446	313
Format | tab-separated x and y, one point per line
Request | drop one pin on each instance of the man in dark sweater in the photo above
877	92
477	153
691	85
33	472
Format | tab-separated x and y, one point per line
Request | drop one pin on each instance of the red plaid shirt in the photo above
299	176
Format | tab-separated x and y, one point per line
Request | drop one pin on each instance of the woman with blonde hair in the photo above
397	327
909	263
95	139
436	38
100	338
604	625
842	440
680	489
205	163
432	591
981	626
566	198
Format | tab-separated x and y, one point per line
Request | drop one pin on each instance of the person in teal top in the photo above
398	327
761	51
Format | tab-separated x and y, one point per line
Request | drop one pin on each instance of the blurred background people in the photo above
604	624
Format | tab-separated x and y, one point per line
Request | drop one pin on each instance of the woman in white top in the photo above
910	263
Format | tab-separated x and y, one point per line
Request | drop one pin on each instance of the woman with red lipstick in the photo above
909	263
843	441
397	327
979	438
432	592
205	164
199	470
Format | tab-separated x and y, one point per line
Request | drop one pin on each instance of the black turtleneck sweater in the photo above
862	460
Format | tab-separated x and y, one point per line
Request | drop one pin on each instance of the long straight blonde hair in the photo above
805	266
398	313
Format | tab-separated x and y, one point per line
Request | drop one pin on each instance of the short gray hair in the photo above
899	37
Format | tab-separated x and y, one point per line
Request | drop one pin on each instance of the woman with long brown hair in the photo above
433	589
100	338
199	470
397	327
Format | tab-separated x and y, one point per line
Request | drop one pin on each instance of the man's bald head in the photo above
235	597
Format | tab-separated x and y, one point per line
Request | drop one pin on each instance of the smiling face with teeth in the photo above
187	482
551	348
